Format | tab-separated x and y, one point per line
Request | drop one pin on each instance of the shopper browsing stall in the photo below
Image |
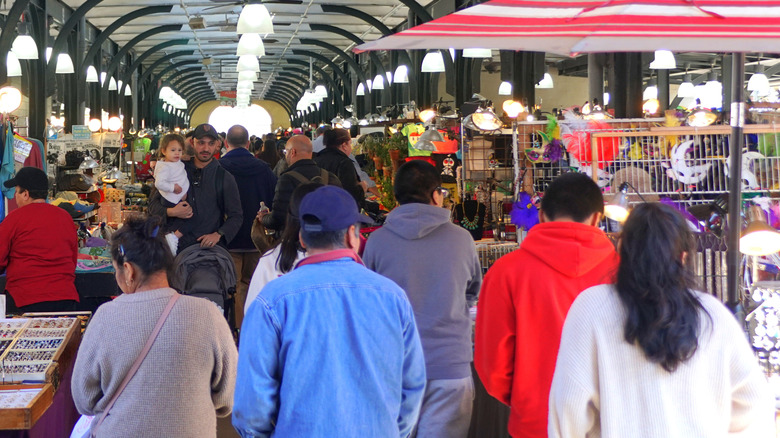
526	294
188	376
649	356
38	249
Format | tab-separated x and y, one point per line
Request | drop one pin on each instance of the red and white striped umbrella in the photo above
584	26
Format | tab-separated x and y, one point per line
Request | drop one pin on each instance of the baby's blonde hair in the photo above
167	139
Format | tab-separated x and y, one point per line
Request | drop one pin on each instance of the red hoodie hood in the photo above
571	248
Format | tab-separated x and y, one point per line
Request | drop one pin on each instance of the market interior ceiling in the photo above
301	27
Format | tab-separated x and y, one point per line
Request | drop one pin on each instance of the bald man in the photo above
298	154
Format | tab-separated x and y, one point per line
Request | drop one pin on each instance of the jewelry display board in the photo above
35	354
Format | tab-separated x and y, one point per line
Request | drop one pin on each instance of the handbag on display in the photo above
83	428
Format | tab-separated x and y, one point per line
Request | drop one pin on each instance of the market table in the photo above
94	289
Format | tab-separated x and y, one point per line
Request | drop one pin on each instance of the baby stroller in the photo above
207	273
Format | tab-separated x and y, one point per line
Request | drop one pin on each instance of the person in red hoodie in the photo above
38	249
526	294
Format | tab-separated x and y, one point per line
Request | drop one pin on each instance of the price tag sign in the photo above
81	132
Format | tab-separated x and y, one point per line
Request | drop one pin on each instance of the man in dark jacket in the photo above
256	183
215	208
298	154
335	158
409	249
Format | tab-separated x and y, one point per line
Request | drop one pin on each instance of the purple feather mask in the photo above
524	212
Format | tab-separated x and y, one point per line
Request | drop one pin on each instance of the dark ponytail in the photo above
333	138
290	243
656	285
140	241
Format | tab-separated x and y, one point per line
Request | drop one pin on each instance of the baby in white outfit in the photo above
171	181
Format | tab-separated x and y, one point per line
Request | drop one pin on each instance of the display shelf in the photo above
25	405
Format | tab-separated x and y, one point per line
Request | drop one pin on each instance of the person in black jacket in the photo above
214	209
335	158
256	183
298	154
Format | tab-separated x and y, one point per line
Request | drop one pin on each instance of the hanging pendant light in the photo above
546	82
24	47
248	63
10	99
505	89
245	85
401	75
255	18
320	91
103	78
433	62
250	44
112	84
758	81
477	53
651	92
48	54
378	83
12	65
361	90
686	88
92	75
664	60
128	92
247	76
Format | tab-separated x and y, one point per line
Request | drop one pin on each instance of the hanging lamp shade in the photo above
505	89
433	63
245	85
48	53
477	53
64	64
248	63
112	84
128	92
378	83
651	92
320	91
254	18
250	44
664	60
24	47
401	75
103	78
92	75
165	93
12	65
247	76
10	99
546	82
758	238
361	90
758	81
686	87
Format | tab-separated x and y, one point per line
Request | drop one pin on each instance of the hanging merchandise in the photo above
447	166
470	214
525	213
413	131
7	166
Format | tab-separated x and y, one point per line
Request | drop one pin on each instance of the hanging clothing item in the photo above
413	131
7	164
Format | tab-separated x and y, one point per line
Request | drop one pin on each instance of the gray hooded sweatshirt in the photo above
435	262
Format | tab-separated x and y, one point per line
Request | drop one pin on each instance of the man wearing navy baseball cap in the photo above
38	249
330	326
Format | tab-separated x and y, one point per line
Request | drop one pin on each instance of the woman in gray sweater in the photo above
187	378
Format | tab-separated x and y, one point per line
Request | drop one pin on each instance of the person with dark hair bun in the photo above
335	158
191	365
650	356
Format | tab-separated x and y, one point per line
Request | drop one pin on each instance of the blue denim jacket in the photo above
330	349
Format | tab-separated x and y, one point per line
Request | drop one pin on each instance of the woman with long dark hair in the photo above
652	357
281	259
269	154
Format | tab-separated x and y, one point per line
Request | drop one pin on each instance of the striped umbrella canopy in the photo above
568	27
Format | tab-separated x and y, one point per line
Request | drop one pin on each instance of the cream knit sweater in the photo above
605	387
185	382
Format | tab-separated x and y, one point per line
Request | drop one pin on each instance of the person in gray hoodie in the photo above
435	262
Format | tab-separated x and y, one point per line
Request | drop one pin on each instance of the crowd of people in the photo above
576	336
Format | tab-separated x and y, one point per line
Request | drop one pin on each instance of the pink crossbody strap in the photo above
139	359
